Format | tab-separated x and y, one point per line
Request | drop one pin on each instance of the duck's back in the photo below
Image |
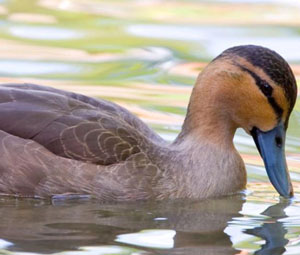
72	125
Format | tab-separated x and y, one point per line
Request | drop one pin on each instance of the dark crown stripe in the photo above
272	64
260	83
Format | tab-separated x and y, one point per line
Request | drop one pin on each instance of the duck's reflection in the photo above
272	230
198	227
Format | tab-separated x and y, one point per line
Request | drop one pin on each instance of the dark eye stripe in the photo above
263	85
267	90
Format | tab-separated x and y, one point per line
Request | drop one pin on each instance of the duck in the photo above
55	142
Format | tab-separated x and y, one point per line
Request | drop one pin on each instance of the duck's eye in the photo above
278	141
265	88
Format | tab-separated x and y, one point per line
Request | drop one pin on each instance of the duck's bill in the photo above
271	146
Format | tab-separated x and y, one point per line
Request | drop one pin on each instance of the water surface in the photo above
145	55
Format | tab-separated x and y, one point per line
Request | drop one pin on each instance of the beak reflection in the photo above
271	146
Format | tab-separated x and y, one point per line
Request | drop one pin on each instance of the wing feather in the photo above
72	125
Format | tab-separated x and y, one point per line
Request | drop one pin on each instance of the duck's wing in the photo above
72	125
101	104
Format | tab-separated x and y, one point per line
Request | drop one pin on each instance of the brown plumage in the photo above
56	142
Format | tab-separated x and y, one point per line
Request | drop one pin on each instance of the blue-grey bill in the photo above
271	146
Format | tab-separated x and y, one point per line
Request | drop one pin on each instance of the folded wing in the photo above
72	125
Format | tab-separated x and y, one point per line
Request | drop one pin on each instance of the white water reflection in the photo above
262	225
18	67
44	33
4	244
287	47
102	250
285	2
283	40
237	236
87	250
157	238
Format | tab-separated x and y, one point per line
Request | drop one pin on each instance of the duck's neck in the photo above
203	154
206	121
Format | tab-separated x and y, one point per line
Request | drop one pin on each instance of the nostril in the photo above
278	141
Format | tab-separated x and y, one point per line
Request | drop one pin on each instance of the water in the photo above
145	55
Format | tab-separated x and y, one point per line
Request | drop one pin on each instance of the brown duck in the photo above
57	142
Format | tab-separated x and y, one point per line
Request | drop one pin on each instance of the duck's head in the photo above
255	88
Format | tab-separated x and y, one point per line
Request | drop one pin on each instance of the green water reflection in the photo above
145	55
